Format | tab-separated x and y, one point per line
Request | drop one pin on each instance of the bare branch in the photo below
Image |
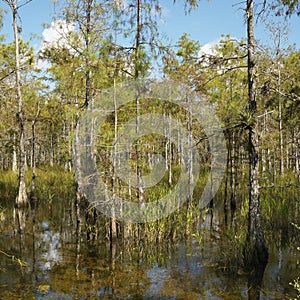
291	96
7	75
23	4
225	72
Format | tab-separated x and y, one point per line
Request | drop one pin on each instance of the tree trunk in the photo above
226	180
256	253
233	178
14	158
21	199
113	223
280	123
297	154
140	192
51	158
87	59
32	192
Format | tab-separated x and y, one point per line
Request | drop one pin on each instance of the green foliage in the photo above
189	5
91	58
182	65
291	87
151	145
296	285
227	81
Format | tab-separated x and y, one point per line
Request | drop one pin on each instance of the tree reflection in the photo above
21	215
255	281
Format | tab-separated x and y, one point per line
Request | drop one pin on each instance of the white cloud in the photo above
208	49
57	34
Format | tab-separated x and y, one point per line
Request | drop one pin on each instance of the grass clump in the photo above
50	183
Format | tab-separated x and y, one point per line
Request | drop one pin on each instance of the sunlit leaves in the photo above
183	63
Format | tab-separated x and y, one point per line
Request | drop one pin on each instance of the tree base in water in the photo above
255	253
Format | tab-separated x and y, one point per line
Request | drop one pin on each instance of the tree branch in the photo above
223	73
23	4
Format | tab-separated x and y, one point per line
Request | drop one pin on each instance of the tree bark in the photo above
14	158
87	48
226	179
233	178
280	123
22	198
33	162
140	192
113	223
256	253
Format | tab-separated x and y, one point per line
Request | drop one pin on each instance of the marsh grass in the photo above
51	183
280	201
54	183
8	185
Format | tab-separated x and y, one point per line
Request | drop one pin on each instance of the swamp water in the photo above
58	266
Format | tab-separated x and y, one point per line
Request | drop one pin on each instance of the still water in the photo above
59	265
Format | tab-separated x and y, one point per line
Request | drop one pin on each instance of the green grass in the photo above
50	183
54	183
8	185
280	203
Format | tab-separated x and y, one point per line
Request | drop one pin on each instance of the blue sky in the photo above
216	17
206	24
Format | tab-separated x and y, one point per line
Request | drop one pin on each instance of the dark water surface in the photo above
59	266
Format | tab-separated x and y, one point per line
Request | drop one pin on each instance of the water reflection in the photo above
255	282
157	276
49	244
62	266
21	215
